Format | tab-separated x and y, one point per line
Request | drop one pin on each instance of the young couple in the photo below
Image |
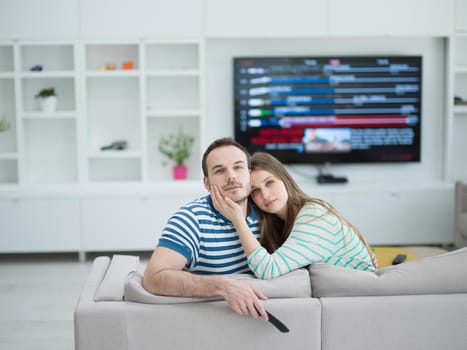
218	234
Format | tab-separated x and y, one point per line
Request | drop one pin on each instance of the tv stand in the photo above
327	178
331	179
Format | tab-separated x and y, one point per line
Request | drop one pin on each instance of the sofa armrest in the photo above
98	325
112	286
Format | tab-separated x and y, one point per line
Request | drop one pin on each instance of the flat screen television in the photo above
339	109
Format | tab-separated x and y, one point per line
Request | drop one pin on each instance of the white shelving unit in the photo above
54	161
159	93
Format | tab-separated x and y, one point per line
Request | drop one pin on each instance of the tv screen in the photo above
339	109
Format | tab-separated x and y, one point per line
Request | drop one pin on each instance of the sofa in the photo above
420	304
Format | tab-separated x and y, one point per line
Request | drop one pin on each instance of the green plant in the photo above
176	146
46	93
4	124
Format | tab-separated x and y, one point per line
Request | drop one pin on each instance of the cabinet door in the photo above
265	18
397	17
125	223
39	225
116	224
25	19
141	18
400	217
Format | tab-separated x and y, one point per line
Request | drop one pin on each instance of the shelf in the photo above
115	170
99	56
49	74
6	59
172	56
50	151
51	116
8	156
51	57
172	93
64	88
113	73
8	169
173	113
173	73
461	110
114	154
8	138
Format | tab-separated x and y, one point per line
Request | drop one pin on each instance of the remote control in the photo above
400	258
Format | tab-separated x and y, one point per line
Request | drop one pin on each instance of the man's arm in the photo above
164	275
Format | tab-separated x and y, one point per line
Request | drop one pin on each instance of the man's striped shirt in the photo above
207	239
316	236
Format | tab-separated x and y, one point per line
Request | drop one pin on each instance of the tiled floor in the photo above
38	295
37	299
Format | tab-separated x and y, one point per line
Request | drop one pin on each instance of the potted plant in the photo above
177	148
4	124
47	99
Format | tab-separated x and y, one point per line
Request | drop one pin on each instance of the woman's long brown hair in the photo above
275	231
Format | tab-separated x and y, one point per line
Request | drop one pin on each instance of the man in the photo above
198	246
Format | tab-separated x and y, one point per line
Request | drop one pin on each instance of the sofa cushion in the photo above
441	274
111	287
295	284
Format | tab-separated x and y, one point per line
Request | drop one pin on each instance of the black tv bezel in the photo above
358	157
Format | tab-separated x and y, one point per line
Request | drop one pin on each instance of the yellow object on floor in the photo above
386	255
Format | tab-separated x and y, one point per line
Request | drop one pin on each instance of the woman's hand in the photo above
374	258
226	206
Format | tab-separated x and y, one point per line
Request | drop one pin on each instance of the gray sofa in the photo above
414	305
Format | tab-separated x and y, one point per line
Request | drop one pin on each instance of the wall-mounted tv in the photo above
339	109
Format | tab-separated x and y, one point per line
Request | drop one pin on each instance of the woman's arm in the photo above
303	247
290	256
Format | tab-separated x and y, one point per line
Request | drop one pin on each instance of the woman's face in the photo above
269	193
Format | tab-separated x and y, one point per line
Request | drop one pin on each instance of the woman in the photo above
296	230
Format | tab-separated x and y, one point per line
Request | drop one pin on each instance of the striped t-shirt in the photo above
316	236
207	239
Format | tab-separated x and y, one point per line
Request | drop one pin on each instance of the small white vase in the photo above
48	104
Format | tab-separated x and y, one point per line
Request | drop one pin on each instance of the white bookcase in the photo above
158	94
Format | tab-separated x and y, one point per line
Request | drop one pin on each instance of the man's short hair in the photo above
225	141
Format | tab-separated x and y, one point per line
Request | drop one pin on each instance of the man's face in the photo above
228	169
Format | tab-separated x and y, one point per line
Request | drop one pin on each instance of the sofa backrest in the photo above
441	274
123	281
295	284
